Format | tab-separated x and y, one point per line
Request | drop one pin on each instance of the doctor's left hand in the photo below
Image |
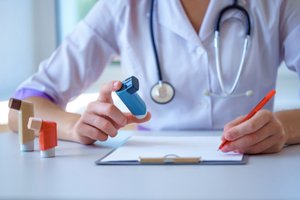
102	119
263	133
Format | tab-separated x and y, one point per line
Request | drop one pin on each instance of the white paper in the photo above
205	147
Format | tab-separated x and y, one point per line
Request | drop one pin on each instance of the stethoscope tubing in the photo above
161	84
235	6
217	27
160	78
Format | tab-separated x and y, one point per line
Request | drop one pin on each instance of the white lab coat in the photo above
187	58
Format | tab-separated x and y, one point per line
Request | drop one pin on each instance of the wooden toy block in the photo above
26	136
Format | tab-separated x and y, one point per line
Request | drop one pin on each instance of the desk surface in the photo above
72	174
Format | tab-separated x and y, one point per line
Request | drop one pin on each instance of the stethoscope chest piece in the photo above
162	92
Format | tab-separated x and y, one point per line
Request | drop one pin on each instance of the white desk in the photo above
72	174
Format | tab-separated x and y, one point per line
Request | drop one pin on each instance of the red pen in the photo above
253	111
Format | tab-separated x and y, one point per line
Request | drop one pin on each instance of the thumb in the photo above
132	119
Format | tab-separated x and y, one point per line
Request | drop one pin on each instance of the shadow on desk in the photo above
4	128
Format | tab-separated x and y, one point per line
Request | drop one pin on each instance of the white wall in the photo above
69	19
27	36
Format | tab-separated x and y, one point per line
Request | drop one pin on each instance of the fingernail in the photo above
236	151
115	85
226	148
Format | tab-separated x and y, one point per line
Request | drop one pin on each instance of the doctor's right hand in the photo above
102	119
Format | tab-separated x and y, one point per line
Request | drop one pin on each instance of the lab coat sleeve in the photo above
290	34
80	59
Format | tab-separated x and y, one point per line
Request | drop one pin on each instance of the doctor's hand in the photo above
102	119
263	133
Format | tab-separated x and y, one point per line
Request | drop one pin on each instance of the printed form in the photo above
205	147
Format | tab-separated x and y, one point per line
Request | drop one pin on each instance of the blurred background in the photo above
32	29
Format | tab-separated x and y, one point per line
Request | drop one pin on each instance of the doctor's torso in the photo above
188	62
187	58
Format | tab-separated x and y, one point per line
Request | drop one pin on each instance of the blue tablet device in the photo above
128	94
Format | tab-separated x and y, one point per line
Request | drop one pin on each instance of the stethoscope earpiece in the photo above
248	93
206	93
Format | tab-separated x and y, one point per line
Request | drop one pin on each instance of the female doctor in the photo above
201	65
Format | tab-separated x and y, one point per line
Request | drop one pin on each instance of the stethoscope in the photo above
163	92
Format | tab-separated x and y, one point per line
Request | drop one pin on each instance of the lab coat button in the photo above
199	51
203	104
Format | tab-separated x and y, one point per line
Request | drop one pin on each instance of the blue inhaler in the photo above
131	99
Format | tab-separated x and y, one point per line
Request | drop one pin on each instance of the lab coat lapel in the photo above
171	15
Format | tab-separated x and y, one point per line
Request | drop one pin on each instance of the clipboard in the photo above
171	150
168	161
